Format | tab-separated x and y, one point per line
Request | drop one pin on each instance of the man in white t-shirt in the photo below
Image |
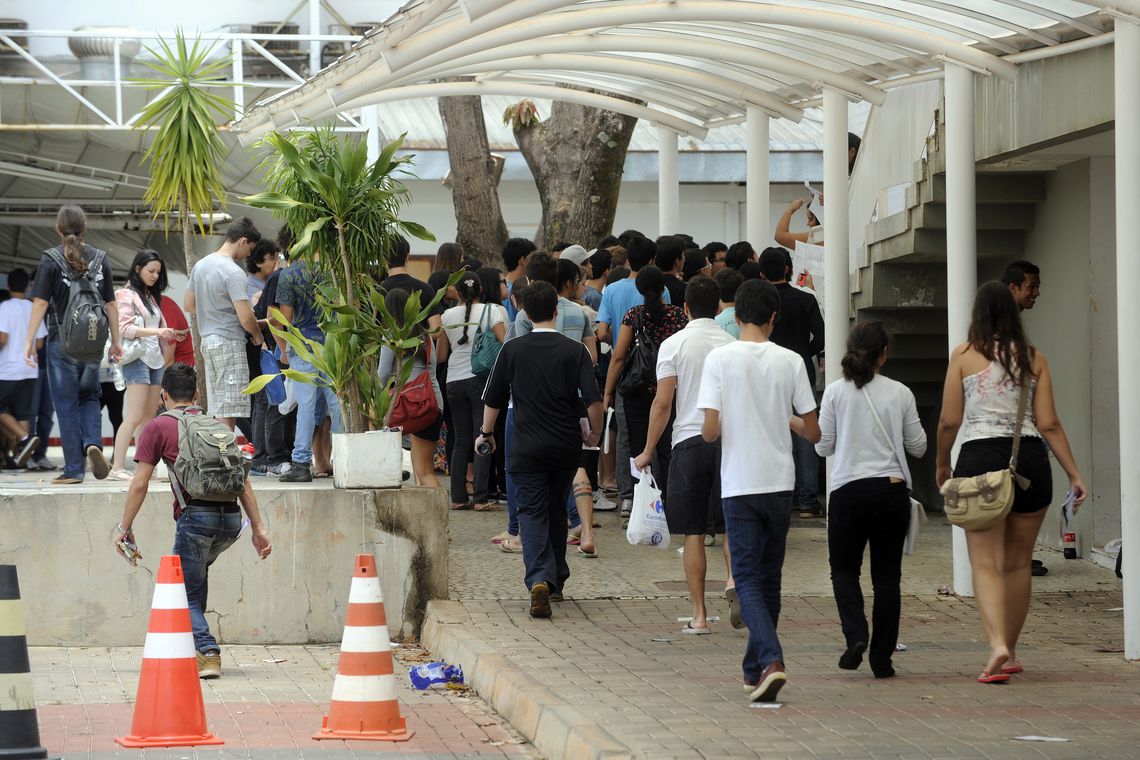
751	392
694	467
17	379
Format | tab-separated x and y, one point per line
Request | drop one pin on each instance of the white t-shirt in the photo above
757	388
851	437
682	355
459	359
15	313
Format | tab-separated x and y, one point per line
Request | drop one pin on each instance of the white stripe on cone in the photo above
169	596
168	646
11	618
370	638
365	591
364	688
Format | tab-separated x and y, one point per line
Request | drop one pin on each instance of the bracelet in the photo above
486	434
122	531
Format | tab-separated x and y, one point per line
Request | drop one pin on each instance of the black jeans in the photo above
466	400
637	407
273	432
877	511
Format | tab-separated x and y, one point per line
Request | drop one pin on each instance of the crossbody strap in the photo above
878	421
1022	404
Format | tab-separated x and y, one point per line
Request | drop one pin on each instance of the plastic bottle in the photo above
423	676
1068	527
117	377
247	452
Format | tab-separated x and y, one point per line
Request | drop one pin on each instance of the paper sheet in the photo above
809	258
816	205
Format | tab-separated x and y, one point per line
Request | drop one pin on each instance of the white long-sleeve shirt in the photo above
853	440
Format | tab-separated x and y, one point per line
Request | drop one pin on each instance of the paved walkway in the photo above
267	705
614	652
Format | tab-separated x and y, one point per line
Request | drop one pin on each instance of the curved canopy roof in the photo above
689	64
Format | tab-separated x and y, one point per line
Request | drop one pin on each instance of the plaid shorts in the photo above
227	375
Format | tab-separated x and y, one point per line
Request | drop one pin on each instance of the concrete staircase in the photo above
901	280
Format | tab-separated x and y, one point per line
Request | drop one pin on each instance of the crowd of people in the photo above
559	381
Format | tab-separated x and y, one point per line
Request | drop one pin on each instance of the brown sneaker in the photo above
540	600
771	681
209	665
99	467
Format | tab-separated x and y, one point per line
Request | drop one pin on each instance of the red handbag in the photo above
415	409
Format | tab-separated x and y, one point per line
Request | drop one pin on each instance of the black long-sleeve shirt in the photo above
799	327
551	379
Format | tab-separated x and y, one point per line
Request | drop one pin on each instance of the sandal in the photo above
995	678
593	554
487	506
511	545
327	474
734	615
693	630
500	538
1010	670
462	505
122	475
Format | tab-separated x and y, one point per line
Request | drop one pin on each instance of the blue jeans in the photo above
75	392
807	472
312	403
512	492
200	536
757	527
542	518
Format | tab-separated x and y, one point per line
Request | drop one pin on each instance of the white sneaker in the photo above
626	507
278	470
602	504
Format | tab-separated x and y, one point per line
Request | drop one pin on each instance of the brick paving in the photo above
261	708
614	651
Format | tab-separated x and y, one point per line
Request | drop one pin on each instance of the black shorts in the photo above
694	488
16	396
989	454
432	431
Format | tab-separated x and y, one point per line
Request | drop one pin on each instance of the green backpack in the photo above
209	465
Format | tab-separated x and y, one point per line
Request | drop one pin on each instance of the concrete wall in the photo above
78	592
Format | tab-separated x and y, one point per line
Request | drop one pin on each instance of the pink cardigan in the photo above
131	306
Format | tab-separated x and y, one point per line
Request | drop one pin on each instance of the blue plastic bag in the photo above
275	391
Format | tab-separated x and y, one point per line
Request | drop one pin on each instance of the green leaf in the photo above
258	383
301	377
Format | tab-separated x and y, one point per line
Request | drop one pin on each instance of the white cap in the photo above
575	253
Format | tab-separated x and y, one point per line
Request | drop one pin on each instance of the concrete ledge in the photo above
78	592
555	727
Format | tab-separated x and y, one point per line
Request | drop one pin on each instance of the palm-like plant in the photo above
187	153
345	213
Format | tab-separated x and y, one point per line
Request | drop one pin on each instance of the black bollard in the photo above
19	730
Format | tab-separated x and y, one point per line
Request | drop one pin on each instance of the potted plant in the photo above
345	213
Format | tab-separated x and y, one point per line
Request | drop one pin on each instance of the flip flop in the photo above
734	615
511	545
500	538
692	630
489	506
458	507
1012	669
573	541
995	678
586	554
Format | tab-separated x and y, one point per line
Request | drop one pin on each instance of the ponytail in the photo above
71	224
866	344
650	284
469	289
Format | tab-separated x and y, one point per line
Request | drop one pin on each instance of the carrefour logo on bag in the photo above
658	507
656	538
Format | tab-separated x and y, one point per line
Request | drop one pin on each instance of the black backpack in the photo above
83	326
640	372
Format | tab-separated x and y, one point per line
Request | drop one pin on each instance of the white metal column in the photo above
758	231
315	28
837	288
370	118
668	183
1128	314
961	246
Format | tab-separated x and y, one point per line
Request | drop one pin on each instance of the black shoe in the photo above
298	473
1038	568
853	657
883	671
10	464
540	600
25	448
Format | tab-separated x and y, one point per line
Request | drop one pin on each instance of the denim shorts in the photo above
138	373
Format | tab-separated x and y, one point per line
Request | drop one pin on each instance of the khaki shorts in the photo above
227	375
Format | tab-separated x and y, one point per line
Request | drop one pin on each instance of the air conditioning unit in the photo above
292	53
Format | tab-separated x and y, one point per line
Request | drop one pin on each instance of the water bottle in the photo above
117	377
423	676
1068	529
247	453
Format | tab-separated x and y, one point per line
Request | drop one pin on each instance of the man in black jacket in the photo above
799	328
550	380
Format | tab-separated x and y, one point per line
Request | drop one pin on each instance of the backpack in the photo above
209	465
485	349
640	372
83	327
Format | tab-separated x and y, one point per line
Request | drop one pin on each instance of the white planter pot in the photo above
367	460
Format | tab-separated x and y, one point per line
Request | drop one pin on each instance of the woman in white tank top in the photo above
980	397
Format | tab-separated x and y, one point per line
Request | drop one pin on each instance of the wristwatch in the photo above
485	434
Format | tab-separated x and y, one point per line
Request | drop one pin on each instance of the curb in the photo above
547	720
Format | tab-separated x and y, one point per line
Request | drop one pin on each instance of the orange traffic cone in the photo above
364	702
168	707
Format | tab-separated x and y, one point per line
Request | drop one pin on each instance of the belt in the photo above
223	508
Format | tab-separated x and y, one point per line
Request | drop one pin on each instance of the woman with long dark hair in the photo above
465	389
656	321
74	383
149	340
983	382
868	423
423	442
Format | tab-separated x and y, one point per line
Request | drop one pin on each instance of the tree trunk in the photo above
577	157
191	259
474	179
